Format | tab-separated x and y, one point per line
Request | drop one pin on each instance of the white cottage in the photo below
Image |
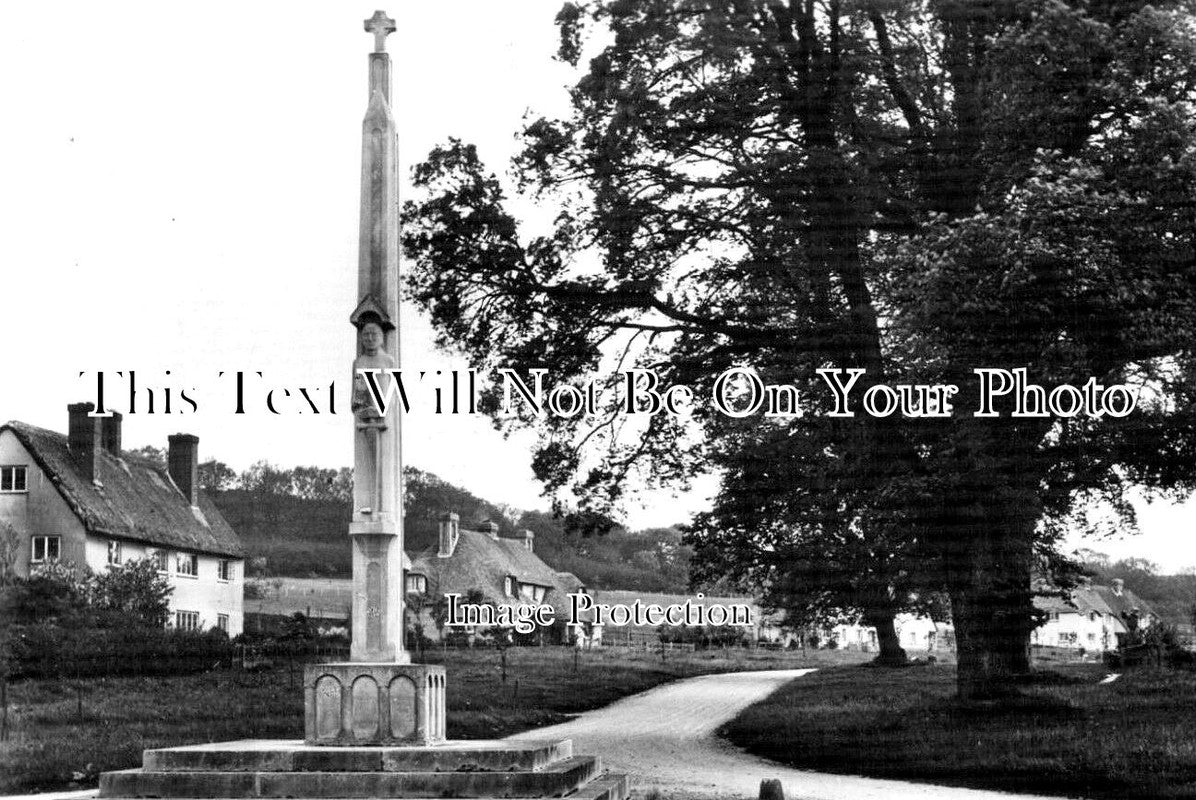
80	498
1091	618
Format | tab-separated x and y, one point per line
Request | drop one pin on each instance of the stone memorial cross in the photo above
378	696
381	26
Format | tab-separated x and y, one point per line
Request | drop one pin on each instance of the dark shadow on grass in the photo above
1050	677
1022	705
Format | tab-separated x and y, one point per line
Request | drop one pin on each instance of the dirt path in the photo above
665	739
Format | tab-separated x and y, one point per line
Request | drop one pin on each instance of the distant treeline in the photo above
294	522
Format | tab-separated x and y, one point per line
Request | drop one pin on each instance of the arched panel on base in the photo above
365	708
402	707
328	708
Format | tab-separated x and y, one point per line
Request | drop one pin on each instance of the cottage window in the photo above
417	584
186	564
224	570
508	586
1068	637
222	622
114	552
161	560
186	620
532	593
45	548
13	478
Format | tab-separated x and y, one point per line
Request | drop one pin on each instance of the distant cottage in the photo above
1092	618
503	571
80	498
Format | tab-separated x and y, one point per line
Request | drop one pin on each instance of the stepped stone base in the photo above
292	769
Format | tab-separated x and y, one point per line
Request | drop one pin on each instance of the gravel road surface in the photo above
665	739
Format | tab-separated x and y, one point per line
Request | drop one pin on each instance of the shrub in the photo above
135	588
702	637
52	650
52	591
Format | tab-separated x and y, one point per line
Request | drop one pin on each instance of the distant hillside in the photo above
295	523
287	535
307	536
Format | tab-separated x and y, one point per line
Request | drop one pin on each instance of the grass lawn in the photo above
1134	738
51	747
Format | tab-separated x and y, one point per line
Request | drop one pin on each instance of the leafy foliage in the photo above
136	589
916	188
59	593
52	591
10	543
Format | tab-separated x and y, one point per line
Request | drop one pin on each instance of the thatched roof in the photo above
1124	603
569	581
1081	600
131	498
483	563
1100	599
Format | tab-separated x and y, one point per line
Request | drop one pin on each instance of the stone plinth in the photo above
355	704
292	769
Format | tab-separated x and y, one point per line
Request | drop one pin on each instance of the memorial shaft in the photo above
376	528
377	697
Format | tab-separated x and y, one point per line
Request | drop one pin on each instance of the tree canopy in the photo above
917	188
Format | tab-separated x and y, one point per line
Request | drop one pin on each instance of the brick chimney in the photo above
83	438
182	462
111	433
1118	587
528	538
450	531
490	529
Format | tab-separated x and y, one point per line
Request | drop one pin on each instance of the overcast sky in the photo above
179	191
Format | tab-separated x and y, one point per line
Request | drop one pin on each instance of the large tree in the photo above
911	188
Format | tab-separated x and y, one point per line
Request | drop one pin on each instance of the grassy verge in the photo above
63	733
1070	736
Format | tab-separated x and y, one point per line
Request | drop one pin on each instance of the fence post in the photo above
770	789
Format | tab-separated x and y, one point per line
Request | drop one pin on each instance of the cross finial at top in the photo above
380	25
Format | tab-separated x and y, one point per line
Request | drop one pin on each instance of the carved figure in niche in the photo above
370	425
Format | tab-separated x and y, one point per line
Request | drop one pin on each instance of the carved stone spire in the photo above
378	697
377	523
378	249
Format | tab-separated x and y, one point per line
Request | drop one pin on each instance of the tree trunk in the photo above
994	615
891	652
993	651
